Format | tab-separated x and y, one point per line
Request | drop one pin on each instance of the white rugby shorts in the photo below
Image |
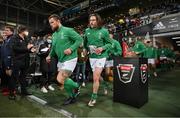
67	65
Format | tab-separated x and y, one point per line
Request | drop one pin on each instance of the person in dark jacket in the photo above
6	54
21	49
47	69
1	74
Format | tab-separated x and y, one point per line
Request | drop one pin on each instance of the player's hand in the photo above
48	59
29	46
137	53
99	50
68	51
131	54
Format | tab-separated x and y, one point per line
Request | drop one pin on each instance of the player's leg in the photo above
97	66
71	87
154	68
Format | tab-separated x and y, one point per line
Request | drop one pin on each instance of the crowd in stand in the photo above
124	21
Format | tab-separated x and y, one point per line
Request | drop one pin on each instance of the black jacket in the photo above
44	66
20	50
1	55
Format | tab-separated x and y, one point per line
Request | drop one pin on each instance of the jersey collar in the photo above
59	29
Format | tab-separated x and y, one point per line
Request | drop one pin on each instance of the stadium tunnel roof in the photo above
42	7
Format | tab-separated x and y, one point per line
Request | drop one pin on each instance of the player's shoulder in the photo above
53	35
115	41
140	42
67	28
104	29
87	29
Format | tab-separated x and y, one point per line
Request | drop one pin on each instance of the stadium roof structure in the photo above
42	7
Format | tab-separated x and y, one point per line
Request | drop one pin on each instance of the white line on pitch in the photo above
43	102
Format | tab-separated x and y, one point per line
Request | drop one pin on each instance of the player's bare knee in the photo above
96	78
60	80
66	73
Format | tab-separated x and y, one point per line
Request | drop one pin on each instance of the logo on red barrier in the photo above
143	70
125	72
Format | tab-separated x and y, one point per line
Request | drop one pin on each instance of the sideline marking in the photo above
43	102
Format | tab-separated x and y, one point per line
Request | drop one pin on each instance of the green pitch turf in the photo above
164	100
22	107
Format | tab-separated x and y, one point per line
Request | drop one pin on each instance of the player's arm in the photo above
108	41
76	38
52	50
141	49
118	49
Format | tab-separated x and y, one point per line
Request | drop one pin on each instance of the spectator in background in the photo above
81	64
21	49
6	54
1	74
34	40
47	69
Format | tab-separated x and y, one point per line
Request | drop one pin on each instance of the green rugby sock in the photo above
69	86
105	84
94	96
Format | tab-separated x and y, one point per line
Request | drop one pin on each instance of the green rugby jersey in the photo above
95	38
163	52
115	49
63	39
139	48
150	52
171	53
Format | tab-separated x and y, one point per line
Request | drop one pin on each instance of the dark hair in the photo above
98	19
21	29
10	28
54	16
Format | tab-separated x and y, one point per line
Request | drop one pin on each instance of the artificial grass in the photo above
22	107
164	100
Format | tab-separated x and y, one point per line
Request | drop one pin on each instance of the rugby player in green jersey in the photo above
65	42
97	41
